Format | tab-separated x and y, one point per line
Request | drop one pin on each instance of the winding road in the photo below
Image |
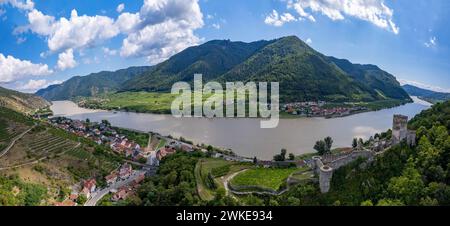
97	196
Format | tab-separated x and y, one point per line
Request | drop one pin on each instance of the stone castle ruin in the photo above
400	131
324	166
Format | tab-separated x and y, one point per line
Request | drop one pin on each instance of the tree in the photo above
390	202
320	147
355	143
409	186
328	143
81	199
367	203
291	156
283	154
280	157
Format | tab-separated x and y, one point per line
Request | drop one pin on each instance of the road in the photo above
229	178
97	196
13	142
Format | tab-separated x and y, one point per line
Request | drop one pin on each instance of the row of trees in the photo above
282	156
324	146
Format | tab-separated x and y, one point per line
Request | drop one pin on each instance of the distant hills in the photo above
427	95
91	85
21	102
303	73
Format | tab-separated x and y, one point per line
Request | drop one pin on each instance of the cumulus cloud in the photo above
20	4
216	26
277	20
109	52
161	28
33	85
76	32
309	41
66	60
120	8
13	69
431	43
373	11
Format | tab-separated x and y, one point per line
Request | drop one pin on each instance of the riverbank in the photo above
160	103
244	135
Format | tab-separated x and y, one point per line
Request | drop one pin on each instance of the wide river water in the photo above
244	136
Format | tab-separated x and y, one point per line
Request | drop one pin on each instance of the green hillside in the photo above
211	59
21	102
91	85
303	73
427	95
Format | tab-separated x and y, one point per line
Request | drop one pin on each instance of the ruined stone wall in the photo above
325	171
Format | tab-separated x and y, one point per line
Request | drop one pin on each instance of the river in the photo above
244	136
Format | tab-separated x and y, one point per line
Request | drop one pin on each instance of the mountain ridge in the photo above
304	73
21	102
426	94
92	84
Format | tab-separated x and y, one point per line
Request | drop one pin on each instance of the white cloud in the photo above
120	8
21	40
373	11
431	43
76	32
66	60
13	69
216	26
33	85
309	41
109	52
160	29
128	22
277	20
20	4
164	28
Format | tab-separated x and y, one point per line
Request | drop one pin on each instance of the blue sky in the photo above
48	41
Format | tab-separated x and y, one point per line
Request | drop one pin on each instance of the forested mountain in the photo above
91	85
428	95
372	77
211	59
21	102
303	73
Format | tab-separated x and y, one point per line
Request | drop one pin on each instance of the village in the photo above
125	180
319	109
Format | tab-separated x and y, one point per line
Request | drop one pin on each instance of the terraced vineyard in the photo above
48	145
102	163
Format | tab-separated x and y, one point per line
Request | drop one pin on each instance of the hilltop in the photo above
21	102
303	73
427	95
91	85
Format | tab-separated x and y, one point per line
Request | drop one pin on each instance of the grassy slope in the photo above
219	169
160	103
57	172
267	178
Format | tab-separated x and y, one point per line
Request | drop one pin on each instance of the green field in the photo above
209	175
160	103
271	178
